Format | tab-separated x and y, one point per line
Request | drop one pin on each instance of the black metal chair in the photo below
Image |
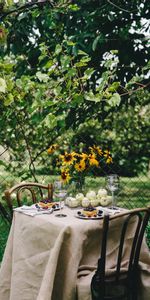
35	190
121	285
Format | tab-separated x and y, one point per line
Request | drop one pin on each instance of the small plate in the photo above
80	216
57	207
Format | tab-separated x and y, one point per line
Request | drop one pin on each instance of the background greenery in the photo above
75	73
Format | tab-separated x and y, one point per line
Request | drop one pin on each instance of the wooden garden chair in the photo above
36	191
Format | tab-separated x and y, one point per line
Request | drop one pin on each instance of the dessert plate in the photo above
79	215
54	206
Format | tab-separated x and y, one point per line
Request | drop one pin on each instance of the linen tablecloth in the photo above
45	255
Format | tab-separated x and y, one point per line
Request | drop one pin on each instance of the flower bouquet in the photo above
75	166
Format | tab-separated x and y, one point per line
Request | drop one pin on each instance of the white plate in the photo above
88	218
47	209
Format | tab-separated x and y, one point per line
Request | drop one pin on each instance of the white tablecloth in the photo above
45	254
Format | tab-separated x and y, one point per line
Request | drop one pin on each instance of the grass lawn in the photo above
133	192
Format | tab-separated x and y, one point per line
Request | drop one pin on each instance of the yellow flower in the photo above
84	156
98	150
52	149
68	158
109	160
92	160
108	157
91	150
106	153
65	176
80	166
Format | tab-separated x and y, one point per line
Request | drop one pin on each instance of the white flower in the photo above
68	199
73	202
104	201
102	192
79	197
94	202
91	195
85	202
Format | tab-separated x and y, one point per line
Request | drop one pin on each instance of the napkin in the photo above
33	210
112	211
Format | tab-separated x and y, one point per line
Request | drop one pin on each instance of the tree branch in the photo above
141	86
31	165
120	8
29	5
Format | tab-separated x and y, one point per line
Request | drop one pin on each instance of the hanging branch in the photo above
31	165
140	86
30	5
43	149
120	8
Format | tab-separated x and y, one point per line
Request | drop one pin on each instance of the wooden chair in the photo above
120	285
35	190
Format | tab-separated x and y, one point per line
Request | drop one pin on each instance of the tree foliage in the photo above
59	72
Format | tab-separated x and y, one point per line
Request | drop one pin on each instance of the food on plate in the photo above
90	212
47	205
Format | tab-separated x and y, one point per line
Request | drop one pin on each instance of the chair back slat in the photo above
122	241
19	192
134	243
140	238
102	260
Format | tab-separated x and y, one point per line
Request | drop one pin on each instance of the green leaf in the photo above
74	7
80	52
114	51
103	81
95	42
88	73
83	62
71	72
50	121
114	86
49	64
65	61
93	97
77	100
2	85
58	49
115	100
42	77
70	43
9	100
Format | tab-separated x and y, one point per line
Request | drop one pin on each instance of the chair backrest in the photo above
32	187
140	219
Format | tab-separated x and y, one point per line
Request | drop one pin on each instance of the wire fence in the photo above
132	192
